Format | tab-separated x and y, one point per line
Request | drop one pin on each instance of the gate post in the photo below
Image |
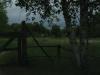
58	53
22	45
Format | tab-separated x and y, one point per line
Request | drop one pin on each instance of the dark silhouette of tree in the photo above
95	30
3	18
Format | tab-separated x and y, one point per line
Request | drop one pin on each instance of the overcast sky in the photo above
16	15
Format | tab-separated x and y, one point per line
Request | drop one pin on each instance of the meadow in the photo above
67	60
7	56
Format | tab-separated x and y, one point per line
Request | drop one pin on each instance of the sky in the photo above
17	15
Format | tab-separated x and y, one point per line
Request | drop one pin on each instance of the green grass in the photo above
10	57
49	41
36	51
94	48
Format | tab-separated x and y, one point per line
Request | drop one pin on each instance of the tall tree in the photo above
87	9
83	30
3	17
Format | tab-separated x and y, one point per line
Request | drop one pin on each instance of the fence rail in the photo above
16	48
22	44
8	34
58	53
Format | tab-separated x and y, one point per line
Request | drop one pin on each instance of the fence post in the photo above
19	51
58	53
22	46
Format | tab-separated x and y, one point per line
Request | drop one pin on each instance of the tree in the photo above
86	14
95	30
3	18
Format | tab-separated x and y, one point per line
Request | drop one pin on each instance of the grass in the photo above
36	51
67	61
8	57
4	57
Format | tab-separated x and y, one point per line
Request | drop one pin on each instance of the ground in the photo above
43	66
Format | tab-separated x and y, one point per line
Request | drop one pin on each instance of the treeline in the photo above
39	30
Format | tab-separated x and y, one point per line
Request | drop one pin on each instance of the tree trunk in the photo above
83	30
80	54
72	33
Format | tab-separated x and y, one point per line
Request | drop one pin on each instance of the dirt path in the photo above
24	71
37	70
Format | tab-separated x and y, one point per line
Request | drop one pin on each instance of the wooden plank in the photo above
8	34
9	49
24	50
22	46
58	53
43	46
11	34
19	51
6	44
12	49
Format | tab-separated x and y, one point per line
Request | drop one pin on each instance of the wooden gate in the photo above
22	46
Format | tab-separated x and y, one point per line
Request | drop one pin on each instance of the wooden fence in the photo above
22	44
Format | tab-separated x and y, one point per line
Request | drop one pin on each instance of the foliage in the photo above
48	9
36	28
3	18
96	28
39	29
